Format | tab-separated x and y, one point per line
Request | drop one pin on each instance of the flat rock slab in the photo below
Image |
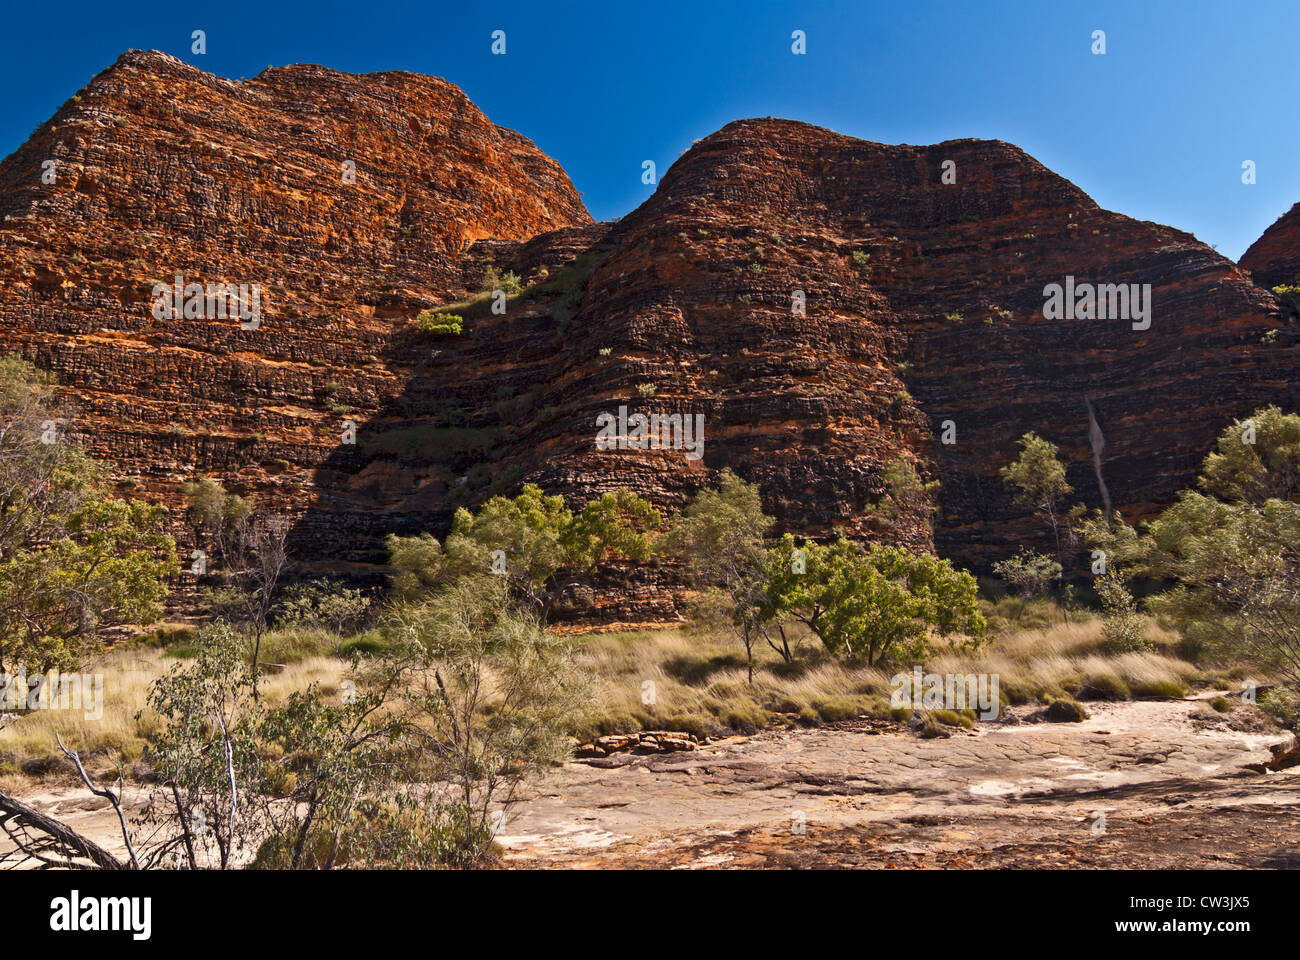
1090	793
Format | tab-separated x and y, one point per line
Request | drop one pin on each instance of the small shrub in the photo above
1066	711
169	635
440	324
696	726
1283	705
839	708
746	718
508	282
1173	689
1121	627
930	728
365	643
322	603
1029	572
1105	686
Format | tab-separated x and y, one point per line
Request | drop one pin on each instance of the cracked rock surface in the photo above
1172	783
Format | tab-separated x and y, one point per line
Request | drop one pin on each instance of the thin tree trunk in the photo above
302	835
257	651
185	826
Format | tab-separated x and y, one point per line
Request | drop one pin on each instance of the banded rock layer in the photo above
1274	259
923	304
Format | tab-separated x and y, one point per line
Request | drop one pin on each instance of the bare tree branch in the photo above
18	821
108	795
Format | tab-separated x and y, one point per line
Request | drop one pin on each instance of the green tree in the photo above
1255	459
211	512
880	603
1037	479
326	759
251	554
616	525
529	540
906	494
493	694
1030	573
720	538
1231	550
324	603
1121	625
206	753
418	565
73	559
1236	570
799	584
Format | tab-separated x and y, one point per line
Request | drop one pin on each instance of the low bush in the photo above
440	324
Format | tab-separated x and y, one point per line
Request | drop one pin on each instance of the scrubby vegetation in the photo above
436	324
507	282
74	560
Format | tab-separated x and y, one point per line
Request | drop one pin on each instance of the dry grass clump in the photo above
688	681
664	679
117	736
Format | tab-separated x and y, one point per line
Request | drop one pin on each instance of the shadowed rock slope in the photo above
1274	259
924	304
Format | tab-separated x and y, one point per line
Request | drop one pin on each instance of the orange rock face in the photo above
825	304
349	200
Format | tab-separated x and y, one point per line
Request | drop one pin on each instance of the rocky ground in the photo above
1169	784
1170	778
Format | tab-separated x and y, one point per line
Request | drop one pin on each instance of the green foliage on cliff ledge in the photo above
440	324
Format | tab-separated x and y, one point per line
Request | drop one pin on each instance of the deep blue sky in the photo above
1157	128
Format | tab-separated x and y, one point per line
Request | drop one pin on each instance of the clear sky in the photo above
1157	128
